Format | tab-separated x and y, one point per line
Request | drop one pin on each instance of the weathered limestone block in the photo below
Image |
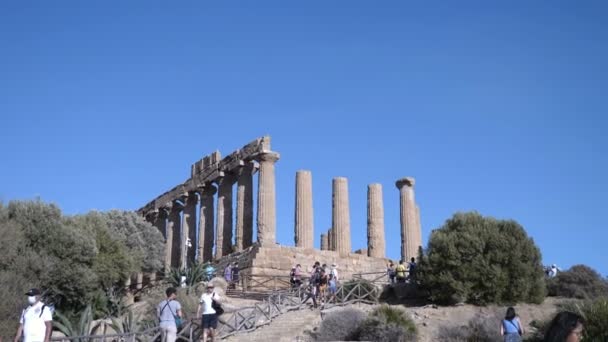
304	212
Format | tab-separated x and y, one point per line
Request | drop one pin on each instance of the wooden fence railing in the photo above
281	299
279	302
146	335
374	277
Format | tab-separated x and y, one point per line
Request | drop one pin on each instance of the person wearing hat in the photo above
209	317
36	322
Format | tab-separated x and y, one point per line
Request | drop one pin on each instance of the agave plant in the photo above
194	275
81	327
127	323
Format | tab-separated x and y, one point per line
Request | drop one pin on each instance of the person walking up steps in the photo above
209	317
167	311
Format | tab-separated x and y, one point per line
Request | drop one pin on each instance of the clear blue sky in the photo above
499	108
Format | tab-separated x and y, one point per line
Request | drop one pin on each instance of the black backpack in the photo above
316	277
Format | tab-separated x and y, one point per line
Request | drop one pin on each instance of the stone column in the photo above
205	224
152	276
324	242
418	228
304	213
189	230
244	207
223	227
163	214
375	222
174	233
140	280
267	199
410	238
341	215
331	241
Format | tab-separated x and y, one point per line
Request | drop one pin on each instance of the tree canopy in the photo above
74	259
481	260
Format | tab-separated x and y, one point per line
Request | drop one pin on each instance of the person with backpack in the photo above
292	277
315	280
412	270
36	322
323	282
169	313
511	327
310	292
390	270
235	274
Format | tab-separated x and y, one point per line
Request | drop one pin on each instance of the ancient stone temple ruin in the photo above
216	236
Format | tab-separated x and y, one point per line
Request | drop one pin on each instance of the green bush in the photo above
595	314
340	325
481	260
580	282
387	324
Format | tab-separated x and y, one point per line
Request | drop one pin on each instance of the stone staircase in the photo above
288	327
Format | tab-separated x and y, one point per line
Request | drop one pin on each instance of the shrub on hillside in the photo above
340	325
481	328
579	281
387	324
481	260
595	314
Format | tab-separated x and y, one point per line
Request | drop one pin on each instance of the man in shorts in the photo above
209	317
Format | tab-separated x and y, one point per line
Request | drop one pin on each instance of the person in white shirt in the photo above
553	271
209	317
36	321
334	272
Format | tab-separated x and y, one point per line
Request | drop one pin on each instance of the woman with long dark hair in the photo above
511	327
565	327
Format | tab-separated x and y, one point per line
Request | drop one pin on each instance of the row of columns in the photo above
337	237
177	220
